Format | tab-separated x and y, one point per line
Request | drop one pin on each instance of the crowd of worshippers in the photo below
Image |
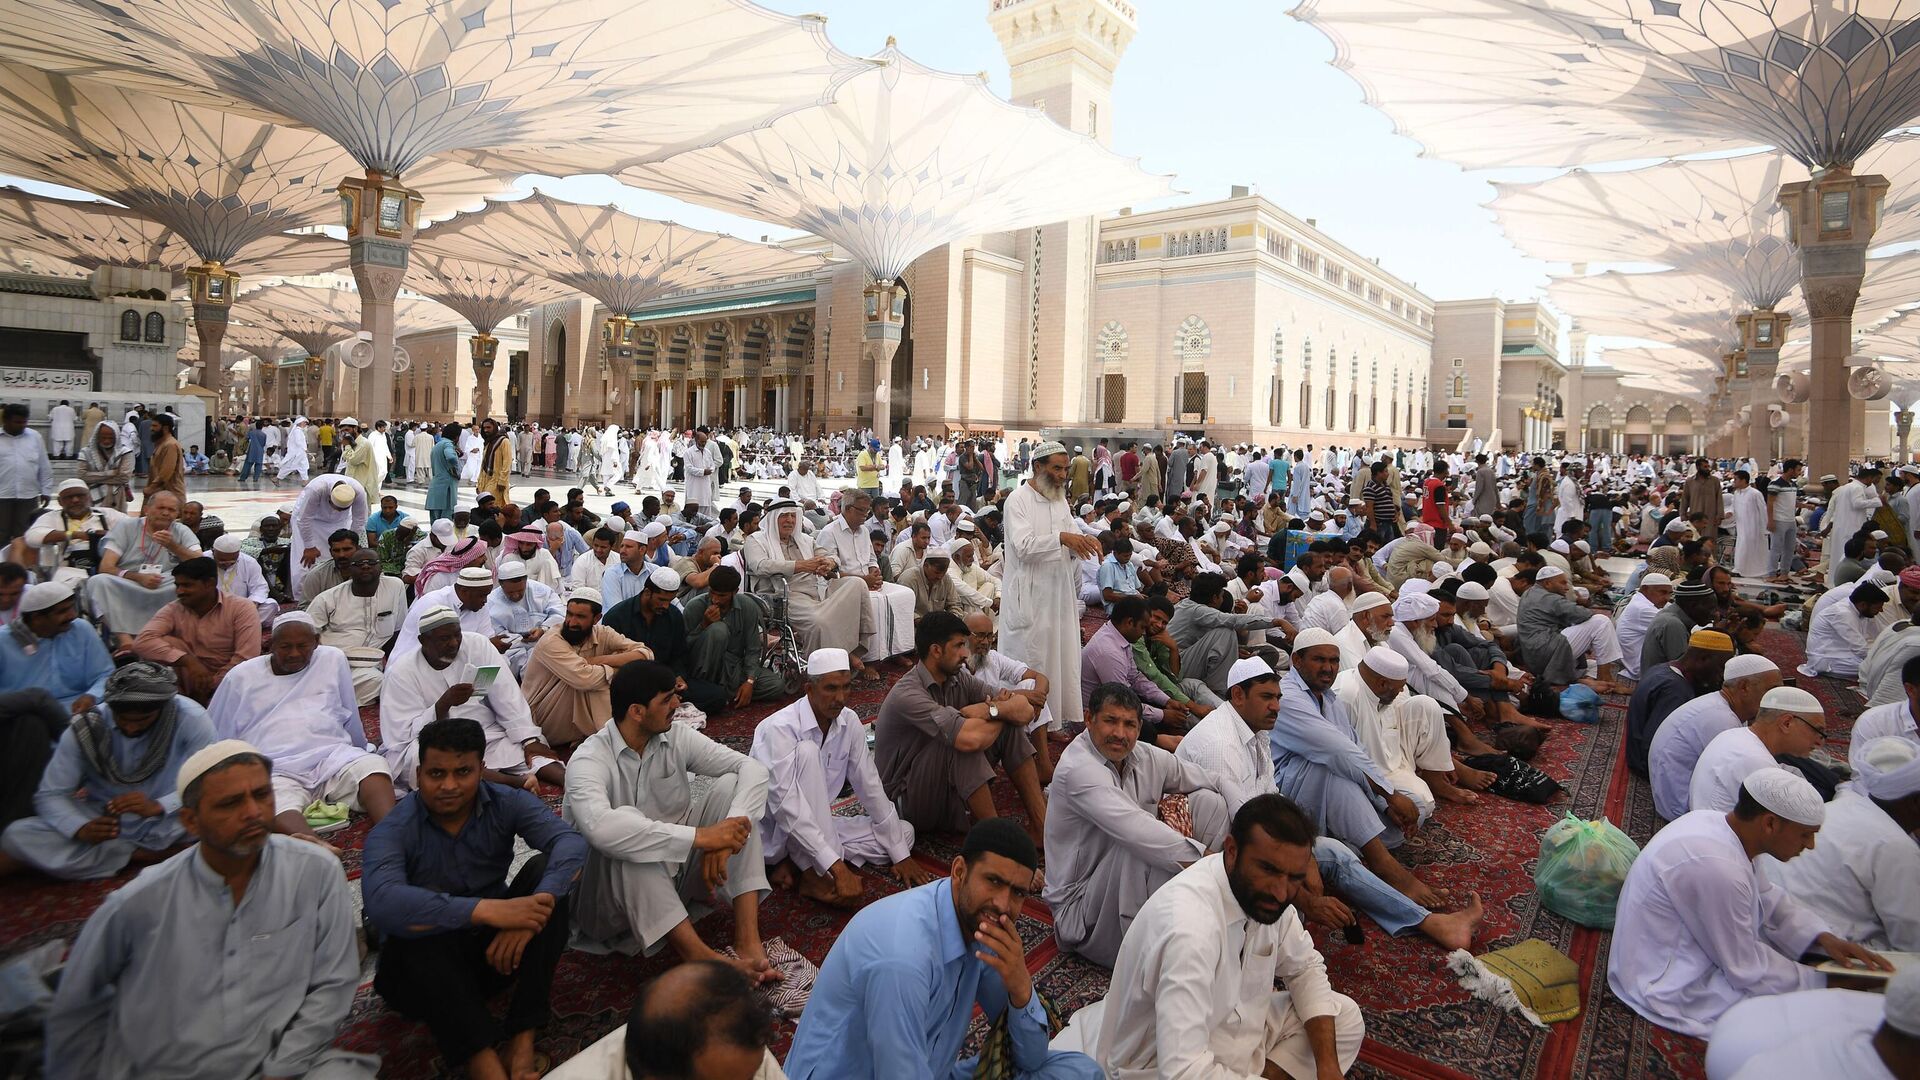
1267	709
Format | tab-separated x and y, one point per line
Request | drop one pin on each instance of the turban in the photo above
1746	666
1309	638
1786	794
1386	663
44	595
1910	577
142	682
1888	767
512	570
1415	587
828	661
205	759
1711	640
1414	608
437	616
1250	668
473	575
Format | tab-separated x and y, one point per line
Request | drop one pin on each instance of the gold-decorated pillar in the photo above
380	216
885	320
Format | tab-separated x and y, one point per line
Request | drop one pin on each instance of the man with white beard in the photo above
845	538
1656	589
1372	620
1039	617
1415	638
1404	734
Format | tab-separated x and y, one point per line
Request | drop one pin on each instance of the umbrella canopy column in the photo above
1832	220
1762	332
886	316
381	217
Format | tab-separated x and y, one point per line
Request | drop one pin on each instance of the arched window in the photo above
1192	345
156	327
1276	409
1306	385
129	325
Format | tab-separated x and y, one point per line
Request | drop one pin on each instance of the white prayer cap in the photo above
1479	547
474	575
285	508
75	484
1656	580
1888	767
665	579
1415	587
1250	668
349	422
342	495
1385	663
1299	579
828	661
586	596
963	525
653	529
1414	608
226	543
1560	546
1048	449
1677	525
1879	534
296	618
1791	699
1369	601
1585	548
1548	573
511	570
638	536
1472	590
1223	526
1124	506
437	616
1903	1001
443	530
1786	793
957	545
1745	666
44	595
466	504
203	760
1441	568
1307	639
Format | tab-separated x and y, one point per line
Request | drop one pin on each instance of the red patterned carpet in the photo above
1419	1022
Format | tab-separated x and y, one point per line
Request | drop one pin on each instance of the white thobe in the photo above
539	608
1863	877
1852	504
475	621
586	573
1631	630
1730	757
807	769
804	487
1039	612
1326	611
1677	747
60	420
413	691
542	569
315	517
1403	737
294	458
701	466
348	621
306	723
1698	929
1573	503
1893	718
1427	676
245	580
1807	1033
1838	640
1353	645
892	604
1748	508
470	446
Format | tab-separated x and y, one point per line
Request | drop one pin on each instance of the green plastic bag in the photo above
1583	865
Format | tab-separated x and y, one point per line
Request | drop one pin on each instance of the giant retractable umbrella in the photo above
904	160
485	295
317	318
559	86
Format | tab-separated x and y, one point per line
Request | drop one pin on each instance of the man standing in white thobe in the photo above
1849	507
60	421
1039	609
845	539
328	503
470	448
1699	929
1863	877
293	457
1748	510
1572	501
700	463
812	750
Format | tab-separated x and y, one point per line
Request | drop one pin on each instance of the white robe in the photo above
470	446
1748	509
1573	504
1631	630
307	723
806	771
1730	757
315	517
1838	640
1852	504
1808	1033
701	466
1676	750
613	460
1863	877
294	458
1039	612
1403	738
414	687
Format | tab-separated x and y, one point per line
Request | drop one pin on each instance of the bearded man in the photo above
1371	622
1039	616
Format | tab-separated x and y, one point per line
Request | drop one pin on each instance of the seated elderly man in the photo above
468	594
654	845
136	567
1842	632
569	673
203	633
69	534
331	571
935	588
1664	688
1405	734
522	611
296	704
968	572
998	671
1557	635
240	576
1209	633
147	989
360	617
1369	623
1319	763
942	734
726	638
1656	589
1699	929
813	749
443	678
48	647
828	611
1789	722
845	539
1111	842
1864	876
107	799
1686	731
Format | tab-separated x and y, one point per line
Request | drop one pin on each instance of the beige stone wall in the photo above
1468	331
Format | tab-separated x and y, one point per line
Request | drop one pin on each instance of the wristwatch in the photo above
993	710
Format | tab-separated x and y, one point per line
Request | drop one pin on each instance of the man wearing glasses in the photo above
1790	723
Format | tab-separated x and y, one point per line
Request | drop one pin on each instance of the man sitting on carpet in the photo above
328	572
1209	633
296	704
1790	722
1864	876
1693	605
202	633
1880	672
107	799
1699	929
727	638
1112	843
1108	657
1404	733
655	622
149	988
1664	687
812	750
467	596
1656	589
897	993
363	612
1842	632
1557	635
1688	729
1894	718
569	672
241	576
655	846
457	930
522	612
49	647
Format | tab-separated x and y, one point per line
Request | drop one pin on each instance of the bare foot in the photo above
521	1058
1471	744
819	889
1471	778
1447	792
1454	930
1533	722
782	876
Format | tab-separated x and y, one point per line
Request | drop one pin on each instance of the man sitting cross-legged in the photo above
813	749
437	682
1405	734
457	930
107	799
363	612
569	672
942	733
630	793
202	633
235	957
296	704
727	635
1557	635
1111	846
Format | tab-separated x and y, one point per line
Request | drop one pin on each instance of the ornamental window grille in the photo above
129	325
1112	405
156	328
1190	391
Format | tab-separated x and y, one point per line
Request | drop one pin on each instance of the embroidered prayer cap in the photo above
1903	1001
638	536
1548	573
1124	506
1888	767
45	594
1792	699
828	661
1656	580
1248	669
938	551
1369	601
512	570
1386	663
1472	590
1786	793
473	575
664	579
1414	608
296	618
653	529
957	545
1692	588
342	495
75	484
586	596
443	530
1048	449
437	616
1307	639
206	759
226	543
142	682
1746	666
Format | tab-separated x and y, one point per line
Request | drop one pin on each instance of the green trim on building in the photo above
1524	350
715	307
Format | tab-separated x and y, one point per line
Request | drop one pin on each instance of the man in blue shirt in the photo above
50	648
389	516
457	932
897	991
1118	575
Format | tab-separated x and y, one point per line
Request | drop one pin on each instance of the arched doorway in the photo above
1599	438
1679	432
900	378
1639	430
557	392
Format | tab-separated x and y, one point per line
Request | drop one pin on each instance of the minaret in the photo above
1063	54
